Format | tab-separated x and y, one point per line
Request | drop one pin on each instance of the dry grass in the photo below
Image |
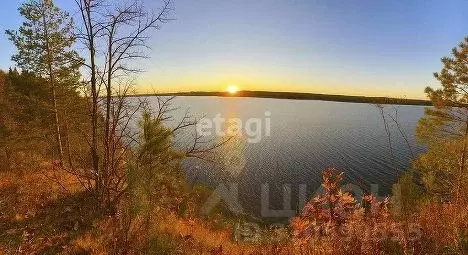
198	235
444	228
37	215
40	216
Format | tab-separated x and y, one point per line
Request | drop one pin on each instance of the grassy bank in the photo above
40	216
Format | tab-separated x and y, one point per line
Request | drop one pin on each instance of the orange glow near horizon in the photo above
232	89
255	82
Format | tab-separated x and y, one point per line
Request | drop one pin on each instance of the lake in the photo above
305	138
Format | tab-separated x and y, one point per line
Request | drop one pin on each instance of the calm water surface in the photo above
306	138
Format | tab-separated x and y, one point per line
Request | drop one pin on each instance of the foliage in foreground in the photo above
337	222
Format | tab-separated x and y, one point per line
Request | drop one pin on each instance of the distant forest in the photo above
303	96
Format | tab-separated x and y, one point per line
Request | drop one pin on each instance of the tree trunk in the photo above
57	124
70	163
108	141
54	92
94	95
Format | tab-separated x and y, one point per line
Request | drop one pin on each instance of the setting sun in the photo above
232	89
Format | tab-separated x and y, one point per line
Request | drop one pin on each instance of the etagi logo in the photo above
253	128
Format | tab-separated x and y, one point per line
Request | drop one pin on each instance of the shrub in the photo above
335	222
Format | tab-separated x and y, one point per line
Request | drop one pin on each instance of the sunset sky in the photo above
369	47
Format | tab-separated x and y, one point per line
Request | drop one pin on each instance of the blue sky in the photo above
368	47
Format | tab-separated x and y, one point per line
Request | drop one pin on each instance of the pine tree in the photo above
445	126
43	43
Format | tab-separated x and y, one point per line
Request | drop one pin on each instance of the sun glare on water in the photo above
232	89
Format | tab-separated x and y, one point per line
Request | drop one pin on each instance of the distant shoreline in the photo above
299	96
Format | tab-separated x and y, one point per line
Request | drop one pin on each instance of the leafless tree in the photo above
393	115
115	34
89	34
380	107
126	30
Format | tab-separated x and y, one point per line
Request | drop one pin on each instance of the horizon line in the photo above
154	93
